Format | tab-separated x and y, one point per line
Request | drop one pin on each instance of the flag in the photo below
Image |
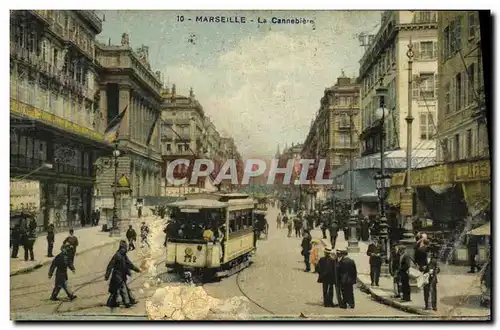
111	132
150	135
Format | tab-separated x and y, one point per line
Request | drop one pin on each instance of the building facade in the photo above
462	126
385	64
55	131
127	82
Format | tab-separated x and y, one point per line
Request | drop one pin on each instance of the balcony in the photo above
22	161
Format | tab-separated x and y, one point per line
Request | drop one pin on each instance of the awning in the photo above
484	230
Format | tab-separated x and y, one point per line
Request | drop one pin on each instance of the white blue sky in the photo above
261	84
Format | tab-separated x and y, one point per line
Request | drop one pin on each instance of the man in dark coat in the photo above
327	270
28	243
374	251
394	269
144	234
32	225
71	240
365	229
404	273
333	229
324	226
472	251
347	278
306	249
132	237
16	240
119	268
430	288
297	224
60	264
50	240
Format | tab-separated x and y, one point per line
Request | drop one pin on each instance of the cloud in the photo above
266	88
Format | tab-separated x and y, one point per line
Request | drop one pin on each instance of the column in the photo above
124	101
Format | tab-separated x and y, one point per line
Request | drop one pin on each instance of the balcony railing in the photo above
425	17
25	162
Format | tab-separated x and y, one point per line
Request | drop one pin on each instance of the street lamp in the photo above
382	179
335	187
107	163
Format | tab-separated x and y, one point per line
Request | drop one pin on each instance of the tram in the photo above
211	234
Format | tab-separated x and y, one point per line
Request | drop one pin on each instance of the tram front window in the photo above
191	224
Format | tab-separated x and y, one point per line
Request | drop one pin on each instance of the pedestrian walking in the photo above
472	252
327	270
323	227
131	237
348	275
15	237
298	226
394	270
72	241
365	229
97	217
333	229
50	240
306	250
29	242
119	268
430	282
60	265
278	221
404	273
421	252
144	234
374	251
289	226
32	225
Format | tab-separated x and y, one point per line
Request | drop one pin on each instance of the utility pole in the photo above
408	239
352	244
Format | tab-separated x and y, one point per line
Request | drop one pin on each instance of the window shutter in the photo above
415	87
416	50
436	86
435	50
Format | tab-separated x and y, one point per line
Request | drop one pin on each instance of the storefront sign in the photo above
477	171
406	204
34	113
398	179
25	195
431	176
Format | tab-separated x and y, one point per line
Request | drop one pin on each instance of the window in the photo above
447	99
426	126
458	34
427	85
472	25
444	149
470	84
344	140
457	147
169	147
446	43
458	92
427	50
469	143
343	121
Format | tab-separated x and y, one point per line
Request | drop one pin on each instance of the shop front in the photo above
449	200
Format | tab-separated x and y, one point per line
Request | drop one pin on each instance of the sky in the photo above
260	83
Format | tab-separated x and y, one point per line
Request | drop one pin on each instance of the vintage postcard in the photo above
250	165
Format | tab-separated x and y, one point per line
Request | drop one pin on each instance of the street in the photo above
275	284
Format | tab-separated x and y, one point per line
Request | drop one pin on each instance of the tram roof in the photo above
199	204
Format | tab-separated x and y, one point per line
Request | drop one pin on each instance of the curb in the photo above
393	302
40	264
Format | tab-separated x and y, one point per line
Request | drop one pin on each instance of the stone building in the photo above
462	122
385	64
55	113
127	81
335	129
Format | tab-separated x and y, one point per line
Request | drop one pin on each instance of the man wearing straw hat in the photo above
327	270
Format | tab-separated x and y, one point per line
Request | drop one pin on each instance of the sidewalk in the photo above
88	239
458	292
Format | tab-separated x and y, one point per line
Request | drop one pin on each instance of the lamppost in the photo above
335	187
382	179
107	163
